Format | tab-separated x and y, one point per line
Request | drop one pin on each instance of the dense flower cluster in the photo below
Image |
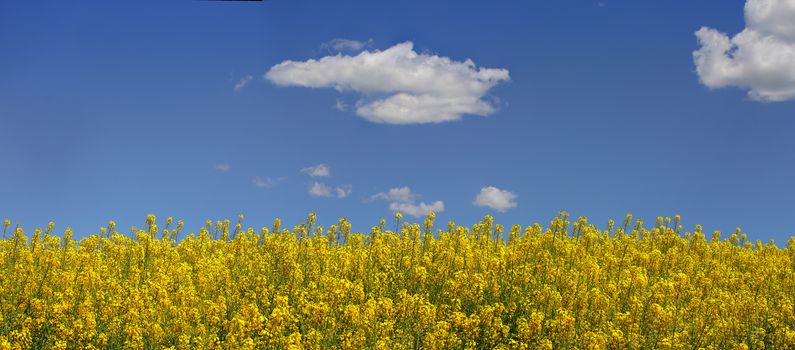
410	286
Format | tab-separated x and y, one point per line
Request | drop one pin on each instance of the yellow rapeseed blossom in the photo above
570	285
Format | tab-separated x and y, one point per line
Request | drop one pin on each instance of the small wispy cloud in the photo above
242	82
495	198
403	200
320	170
398	194
417	210
339	44
267	182
343	191
341	106
222	167
319	189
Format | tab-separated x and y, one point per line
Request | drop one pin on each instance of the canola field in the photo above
569	285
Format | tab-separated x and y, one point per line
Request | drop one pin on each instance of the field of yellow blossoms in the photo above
571	285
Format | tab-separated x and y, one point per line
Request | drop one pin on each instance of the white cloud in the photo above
267	182
341	106
223	167
343	191
347	44
242	82
495	198
399	194
319	189
402	199
417	210
419	87
761	58
320	170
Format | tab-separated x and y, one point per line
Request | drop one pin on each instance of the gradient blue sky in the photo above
112	110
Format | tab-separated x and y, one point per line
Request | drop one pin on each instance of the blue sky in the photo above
114	110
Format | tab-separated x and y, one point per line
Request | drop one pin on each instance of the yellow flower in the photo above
569	285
